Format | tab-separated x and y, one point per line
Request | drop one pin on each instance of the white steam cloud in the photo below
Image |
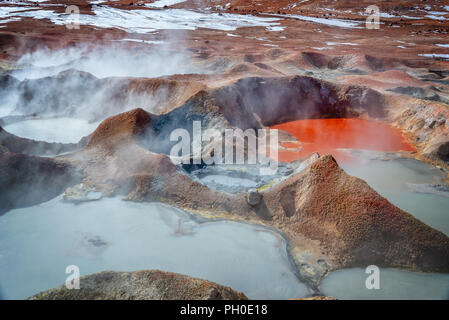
115	60
88	82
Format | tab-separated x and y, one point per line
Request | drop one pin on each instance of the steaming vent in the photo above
81	94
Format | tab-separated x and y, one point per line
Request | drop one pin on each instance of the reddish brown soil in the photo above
322	209
352	221
384	80
419	36
142	285
119	129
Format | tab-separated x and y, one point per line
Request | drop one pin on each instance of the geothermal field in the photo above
224	149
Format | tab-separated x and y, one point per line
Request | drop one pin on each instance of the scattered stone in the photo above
81	193
438	151
288	171
253	197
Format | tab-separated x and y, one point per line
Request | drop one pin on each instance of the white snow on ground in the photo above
437	13
141	41
408	17
275	28
21	3
162	3
435	17
151	20
435	55
32	3
6	12
386	15
7	21
329	22
442	45
341	43
16	13
143	21
42	14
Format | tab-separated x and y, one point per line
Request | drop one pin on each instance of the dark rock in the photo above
253	197
28	180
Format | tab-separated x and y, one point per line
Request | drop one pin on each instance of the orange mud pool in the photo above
331	135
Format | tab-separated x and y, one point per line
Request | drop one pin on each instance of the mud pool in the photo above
409	184
237	178
39	242
397	180
329	135
64	130
394	285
